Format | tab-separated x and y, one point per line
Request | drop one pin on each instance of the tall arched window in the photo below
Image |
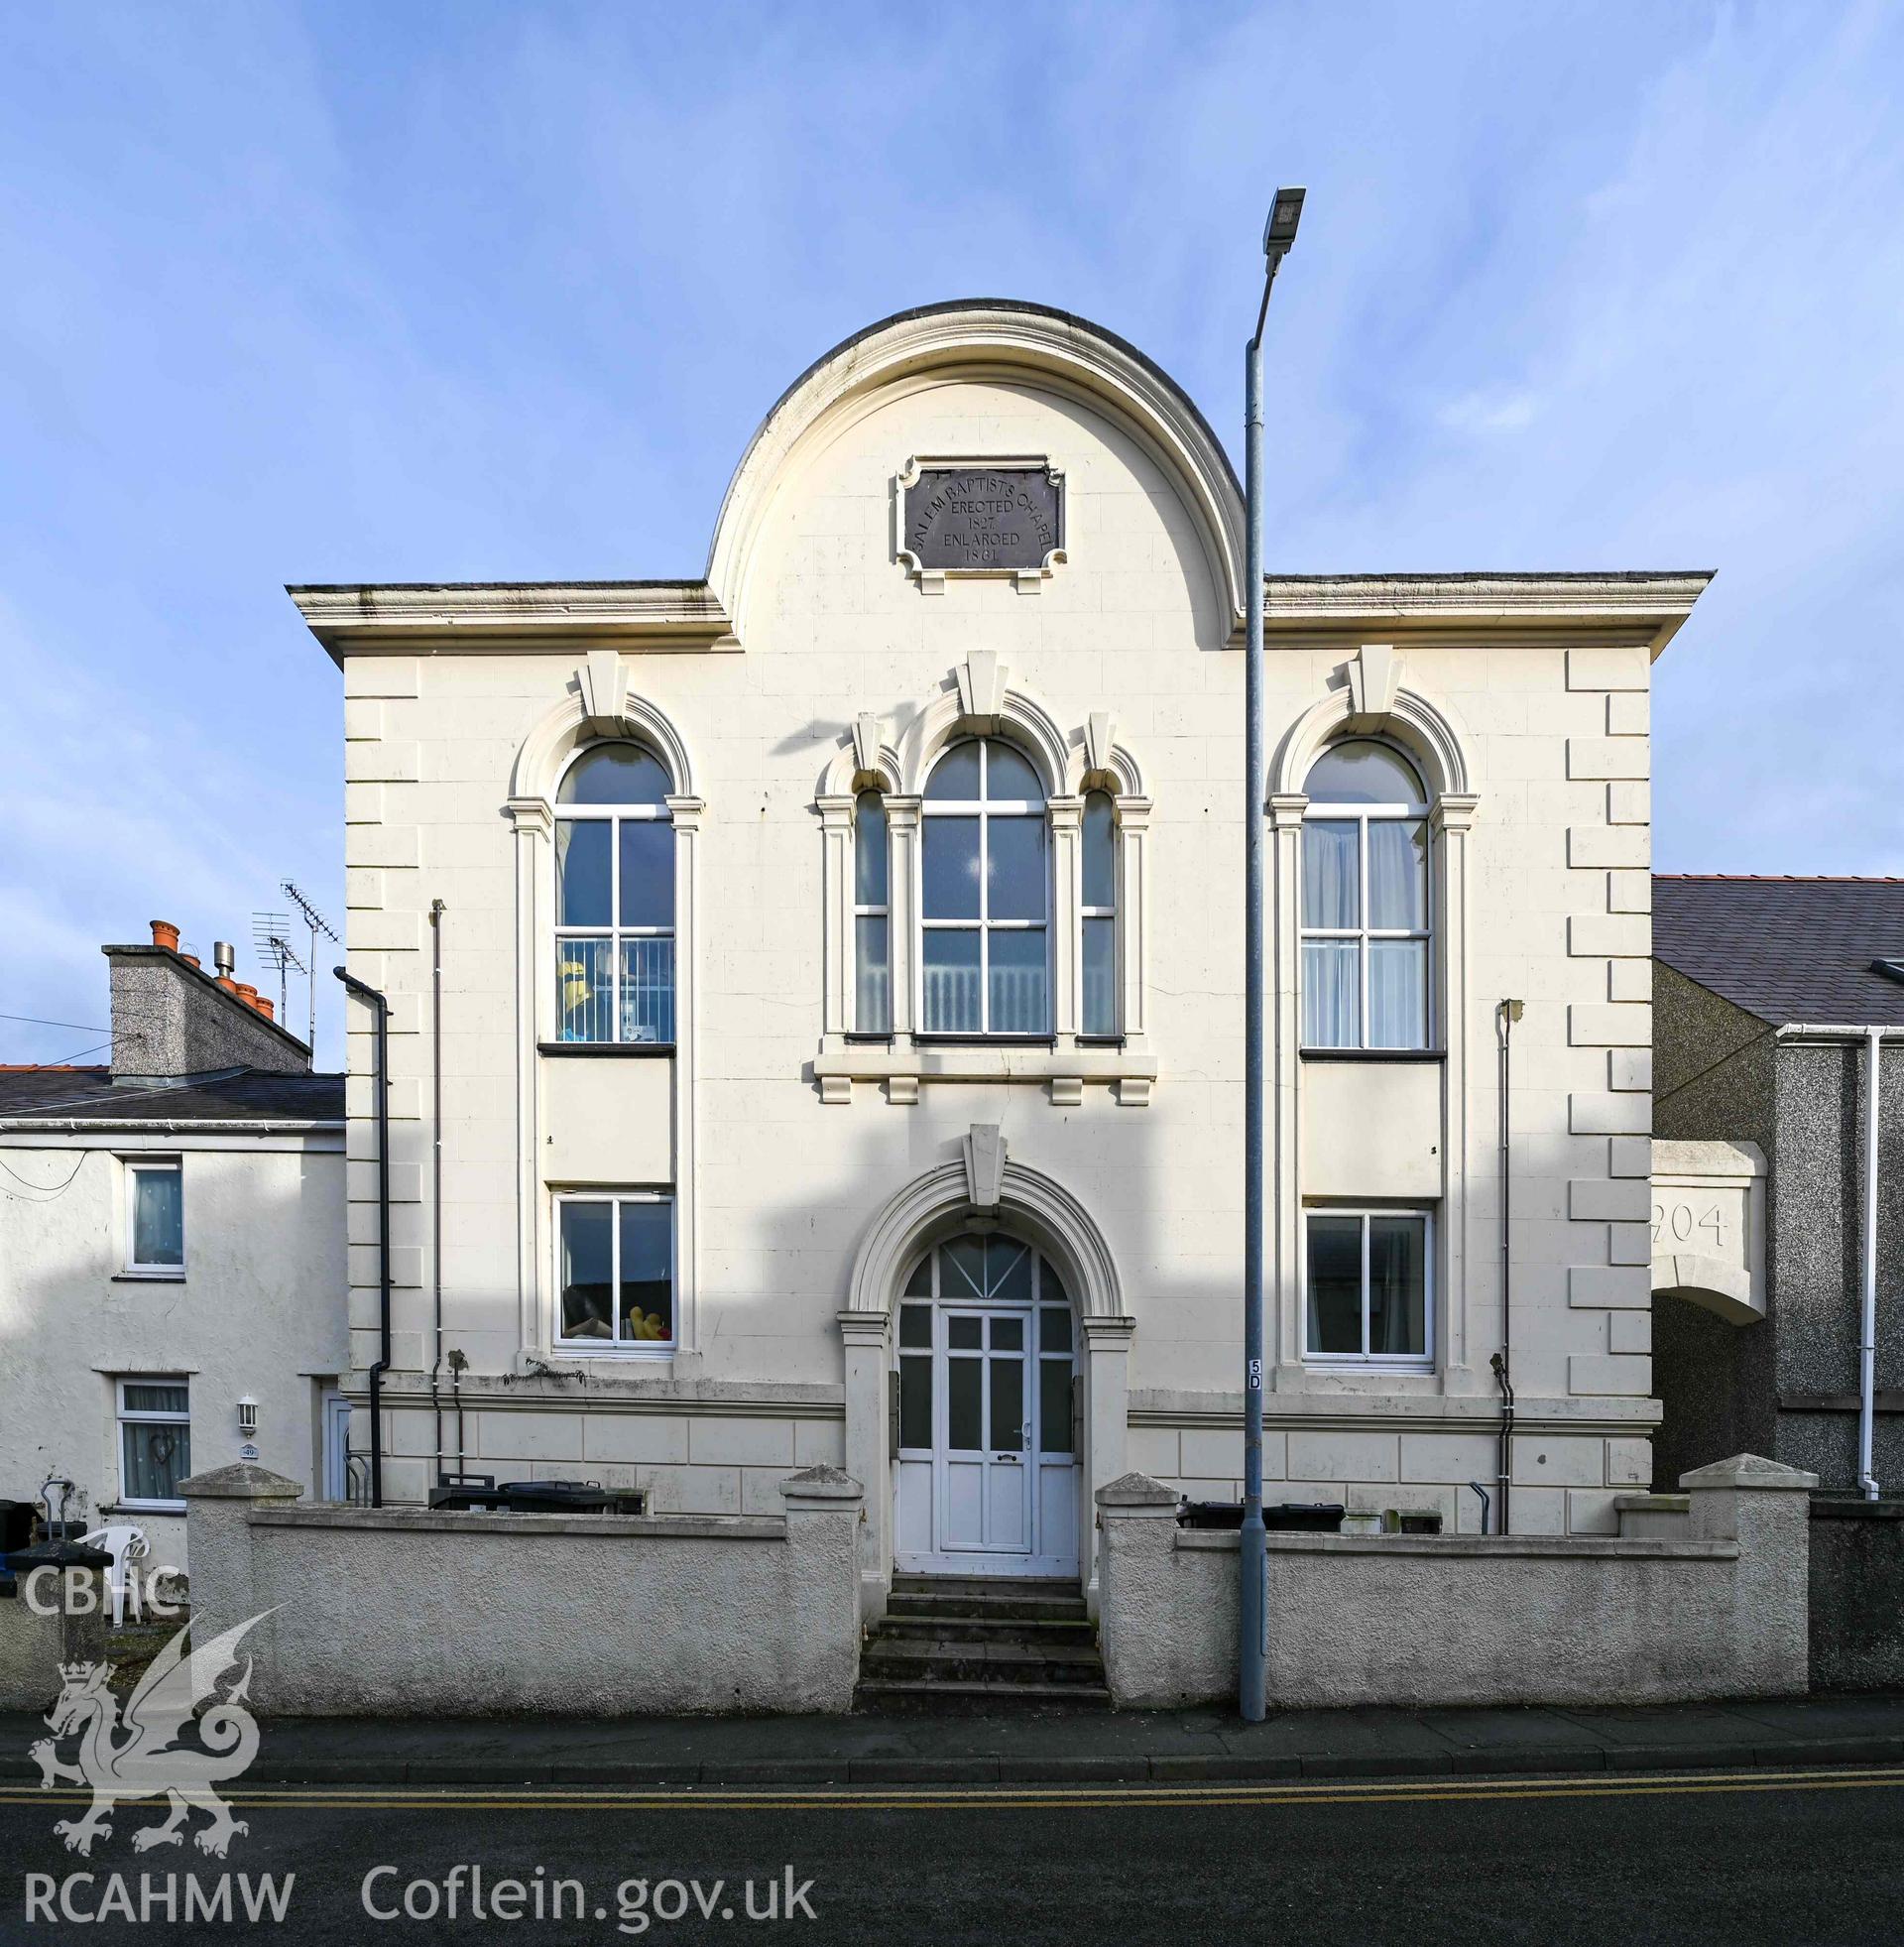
872	918
1100	916
986	888
1365	900
615	898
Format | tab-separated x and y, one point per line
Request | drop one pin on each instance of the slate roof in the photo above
1786	949
242	1095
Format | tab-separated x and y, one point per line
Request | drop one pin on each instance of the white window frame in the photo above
619	1348
124	1417
1086	913
862	911
1320	811
615	932
984	810
134	1168
1361	1362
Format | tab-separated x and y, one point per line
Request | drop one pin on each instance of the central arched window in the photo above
615	898
985	906
1365	900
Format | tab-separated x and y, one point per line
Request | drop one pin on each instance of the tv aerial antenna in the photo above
318	925
270	939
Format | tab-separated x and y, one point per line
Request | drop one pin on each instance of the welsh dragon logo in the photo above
138	1756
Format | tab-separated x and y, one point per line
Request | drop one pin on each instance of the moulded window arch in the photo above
986	895
1366	924
615	898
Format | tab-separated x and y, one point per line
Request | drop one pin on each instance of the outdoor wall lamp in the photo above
247	1418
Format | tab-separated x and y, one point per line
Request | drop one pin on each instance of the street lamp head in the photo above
1284	214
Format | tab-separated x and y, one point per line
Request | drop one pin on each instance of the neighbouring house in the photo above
172	1254
1778	1220
816	991
1772	997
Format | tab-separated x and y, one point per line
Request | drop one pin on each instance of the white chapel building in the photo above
816	991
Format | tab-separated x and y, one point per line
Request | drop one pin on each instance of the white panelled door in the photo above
985	1474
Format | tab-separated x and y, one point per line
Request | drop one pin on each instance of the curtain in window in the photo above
156	1455
1331	992
158	1217
1330	873
1397	1285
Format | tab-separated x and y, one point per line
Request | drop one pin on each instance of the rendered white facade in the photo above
812	1168
254	1313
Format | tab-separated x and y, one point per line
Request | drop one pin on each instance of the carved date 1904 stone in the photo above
988	520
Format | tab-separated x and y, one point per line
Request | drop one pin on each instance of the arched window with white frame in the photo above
986	895
1366	919
615	898
872	917
1098	917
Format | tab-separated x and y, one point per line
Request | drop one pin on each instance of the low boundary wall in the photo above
1469	1618
423	1613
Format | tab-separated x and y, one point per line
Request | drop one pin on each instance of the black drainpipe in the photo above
376	1372
1502	1361
437	909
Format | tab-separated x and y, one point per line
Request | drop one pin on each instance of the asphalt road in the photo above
1735	1858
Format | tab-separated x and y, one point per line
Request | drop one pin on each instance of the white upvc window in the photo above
614	1271
872	917
615	898
156	1217
985	896
1367	1289
1098	917
155	1440
1366	925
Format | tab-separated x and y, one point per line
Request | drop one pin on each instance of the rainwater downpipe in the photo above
365	992
1502	1361
1867	1321
437	909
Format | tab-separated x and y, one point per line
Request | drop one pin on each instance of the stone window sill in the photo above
148	1277
615	1050
906	1064
1373	1054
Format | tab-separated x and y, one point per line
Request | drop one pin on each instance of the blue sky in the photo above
365	292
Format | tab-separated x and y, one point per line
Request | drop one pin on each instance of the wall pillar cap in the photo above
864	1327
243	1480
1748	1470
1135	1489
821	1483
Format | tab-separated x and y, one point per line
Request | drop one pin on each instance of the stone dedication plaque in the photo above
984	520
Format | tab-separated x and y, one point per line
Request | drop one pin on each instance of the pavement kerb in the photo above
1002	1769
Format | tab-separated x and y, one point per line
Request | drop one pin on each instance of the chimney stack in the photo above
171	1020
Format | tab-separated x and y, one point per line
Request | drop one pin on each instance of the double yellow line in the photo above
982	1797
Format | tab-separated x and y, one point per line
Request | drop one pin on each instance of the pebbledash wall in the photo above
810	1166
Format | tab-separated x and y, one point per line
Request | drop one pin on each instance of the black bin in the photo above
1210	1514
16	1525
1304	1517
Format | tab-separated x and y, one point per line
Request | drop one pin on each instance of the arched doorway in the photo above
988	1409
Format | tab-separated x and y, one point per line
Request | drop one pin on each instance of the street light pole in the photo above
1253	1658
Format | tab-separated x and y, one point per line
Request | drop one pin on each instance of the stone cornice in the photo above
397	617
1644	606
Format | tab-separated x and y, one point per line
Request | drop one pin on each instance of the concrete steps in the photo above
980	1645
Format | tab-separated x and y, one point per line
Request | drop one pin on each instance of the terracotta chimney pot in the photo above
246	991
269	1009
164	933
190	959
